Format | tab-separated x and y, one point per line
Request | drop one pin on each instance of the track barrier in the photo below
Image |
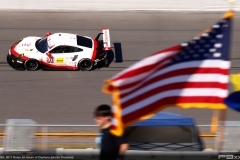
83	136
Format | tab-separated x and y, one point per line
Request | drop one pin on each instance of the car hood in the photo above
27	45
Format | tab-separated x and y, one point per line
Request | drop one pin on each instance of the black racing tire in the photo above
31	64
106	63
85	64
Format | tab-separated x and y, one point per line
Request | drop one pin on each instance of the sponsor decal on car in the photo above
59	60
72	63
50	59
26	44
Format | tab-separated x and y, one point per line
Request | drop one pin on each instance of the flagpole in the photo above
222	128
215	119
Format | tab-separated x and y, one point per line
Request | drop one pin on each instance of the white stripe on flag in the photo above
114	121
113	108
179	92
176	79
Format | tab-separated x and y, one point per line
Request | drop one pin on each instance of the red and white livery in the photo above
60	51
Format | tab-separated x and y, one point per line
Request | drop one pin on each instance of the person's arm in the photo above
123	145
123	148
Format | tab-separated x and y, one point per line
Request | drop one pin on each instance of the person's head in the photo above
103	114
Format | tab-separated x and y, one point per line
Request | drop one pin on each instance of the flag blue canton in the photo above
211	45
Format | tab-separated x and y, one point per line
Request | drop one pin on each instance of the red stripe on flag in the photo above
113	127
200	99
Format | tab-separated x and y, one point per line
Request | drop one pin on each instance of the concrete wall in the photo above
173	5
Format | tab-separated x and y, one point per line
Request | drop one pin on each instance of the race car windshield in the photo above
42	45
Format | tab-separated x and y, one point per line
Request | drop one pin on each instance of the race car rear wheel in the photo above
31	64
85	64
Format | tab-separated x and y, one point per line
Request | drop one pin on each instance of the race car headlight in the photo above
20	55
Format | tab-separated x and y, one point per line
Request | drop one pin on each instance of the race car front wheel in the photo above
31	64
85	64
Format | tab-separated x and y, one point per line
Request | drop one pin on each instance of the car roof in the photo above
70	39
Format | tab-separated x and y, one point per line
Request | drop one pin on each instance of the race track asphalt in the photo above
69	97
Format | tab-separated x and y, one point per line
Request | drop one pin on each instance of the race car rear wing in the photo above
107	45
106	39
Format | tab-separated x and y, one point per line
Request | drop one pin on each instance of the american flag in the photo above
193	74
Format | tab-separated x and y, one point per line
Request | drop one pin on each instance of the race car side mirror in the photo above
48	34
49	54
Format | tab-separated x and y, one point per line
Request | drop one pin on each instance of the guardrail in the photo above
87	125
60	135
83	136
80	135
57	125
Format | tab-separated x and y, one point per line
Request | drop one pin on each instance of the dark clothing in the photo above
109	145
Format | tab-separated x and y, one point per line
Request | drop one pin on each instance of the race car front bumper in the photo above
14	62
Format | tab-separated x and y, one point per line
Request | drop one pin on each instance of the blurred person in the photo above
111	146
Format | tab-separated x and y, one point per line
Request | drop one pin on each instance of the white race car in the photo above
61	51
